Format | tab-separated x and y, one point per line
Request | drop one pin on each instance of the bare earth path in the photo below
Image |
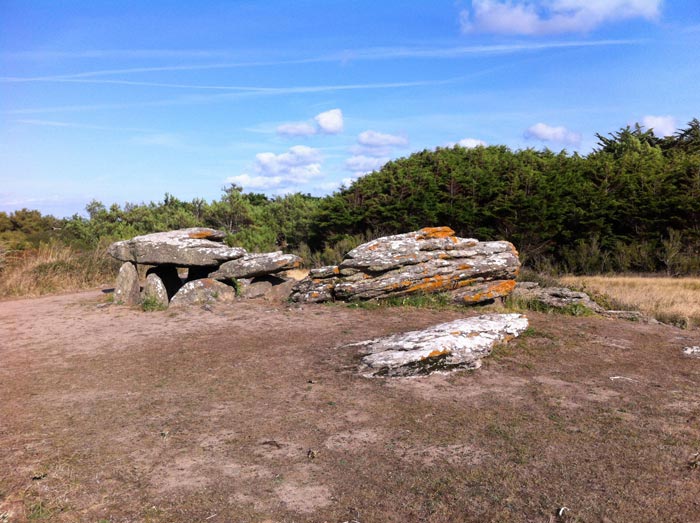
250	412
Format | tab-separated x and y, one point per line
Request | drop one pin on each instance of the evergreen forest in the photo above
632	204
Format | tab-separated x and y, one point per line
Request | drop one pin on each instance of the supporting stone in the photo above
155	291
169	276
127	289
202	292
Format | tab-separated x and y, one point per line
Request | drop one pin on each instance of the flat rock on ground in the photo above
459	343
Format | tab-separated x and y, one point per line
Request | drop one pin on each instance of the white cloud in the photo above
375	139
363	164
296	129
548	133
298	165
330	122
662	125
255	182
468	143
551	16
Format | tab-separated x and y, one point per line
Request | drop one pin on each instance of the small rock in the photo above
127	289
201	292
693	351
555	297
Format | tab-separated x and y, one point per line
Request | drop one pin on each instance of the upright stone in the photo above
155	290
202	292
127	289
169	276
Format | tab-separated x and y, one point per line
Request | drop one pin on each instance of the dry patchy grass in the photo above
671	300
54	268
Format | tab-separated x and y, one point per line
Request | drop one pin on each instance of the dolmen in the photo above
215	271
430	260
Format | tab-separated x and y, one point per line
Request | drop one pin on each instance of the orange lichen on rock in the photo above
432	284
435	232
437	353
501	288
199	235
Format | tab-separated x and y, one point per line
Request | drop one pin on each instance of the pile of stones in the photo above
430	260
214	271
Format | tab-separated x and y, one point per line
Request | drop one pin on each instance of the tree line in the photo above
632	204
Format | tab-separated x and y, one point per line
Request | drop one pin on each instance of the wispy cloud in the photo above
271	91
159	140
77	125
373	54
115	54
376	139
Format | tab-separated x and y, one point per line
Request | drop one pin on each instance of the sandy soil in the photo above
253	412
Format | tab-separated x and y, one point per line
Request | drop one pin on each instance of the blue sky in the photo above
127	100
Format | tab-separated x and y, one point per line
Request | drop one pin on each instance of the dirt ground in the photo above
253	412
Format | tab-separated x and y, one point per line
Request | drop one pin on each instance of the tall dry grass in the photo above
54	268
671	300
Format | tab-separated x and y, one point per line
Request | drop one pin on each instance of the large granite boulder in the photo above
425	261
257	264
194	247
456	344
127	290
203	292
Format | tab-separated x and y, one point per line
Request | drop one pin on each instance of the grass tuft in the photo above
422	301
151	304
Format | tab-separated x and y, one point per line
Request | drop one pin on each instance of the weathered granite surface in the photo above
257	264
192	247
127	289
456	344
155	290
429	260
555	297
202	292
